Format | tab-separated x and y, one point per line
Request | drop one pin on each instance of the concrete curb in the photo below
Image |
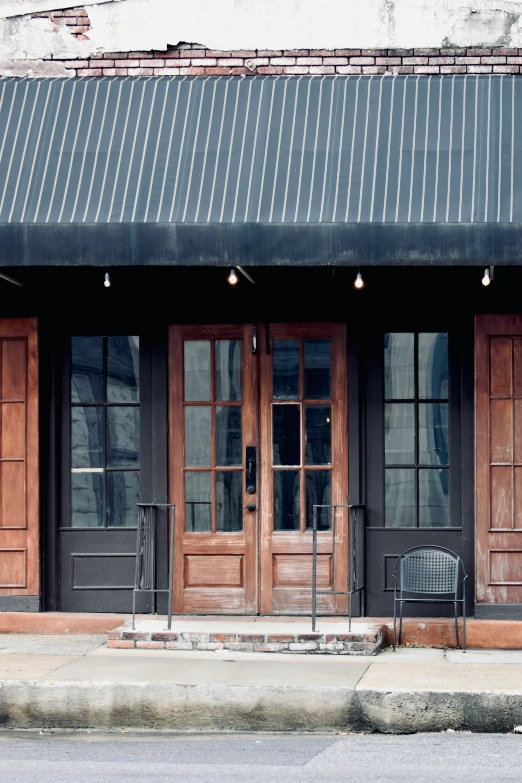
206	707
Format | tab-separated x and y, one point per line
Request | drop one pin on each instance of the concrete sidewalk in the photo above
77	682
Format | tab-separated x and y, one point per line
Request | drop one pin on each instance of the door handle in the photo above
251	469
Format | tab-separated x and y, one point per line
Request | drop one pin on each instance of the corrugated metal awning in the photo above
385	159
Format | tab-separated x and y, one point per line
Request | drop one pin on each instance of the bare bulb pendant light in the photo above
232	277
488	276
107	281
358	282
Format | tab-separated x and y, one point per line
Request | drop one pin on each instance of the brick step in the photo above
352	643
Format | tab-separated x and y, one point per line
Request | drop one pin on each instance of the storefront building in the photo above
132	370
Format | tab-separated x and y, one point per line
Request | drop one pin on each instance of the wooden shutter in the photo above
498	423
19	517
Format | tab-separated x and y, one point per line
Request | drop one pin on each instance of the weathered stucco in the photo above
143	25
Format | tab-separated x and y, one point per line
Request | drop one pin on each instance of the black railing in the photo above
356	558
146	541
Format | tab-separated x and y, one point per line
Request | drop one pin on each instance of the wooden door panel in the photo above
286	557
19	495
498	411
215	570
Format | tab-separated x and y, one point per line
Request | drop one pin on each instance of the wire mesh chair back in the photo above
429	571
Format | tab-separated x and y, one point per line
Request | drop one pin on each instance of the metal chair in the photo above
429	570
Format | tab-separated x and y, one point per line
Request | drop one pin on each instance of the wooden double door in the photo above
257	436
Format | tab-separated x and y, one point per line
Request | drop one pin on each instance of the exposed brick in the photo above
321	52
120	644
347	52
79	29
89	72
241	53
272	647
233	71
151	63
452	52
506	69
322	69
166	71
349	637
70	12
270	70
335	61
225	637
178	645
504	51
453	69
116	56
298	70
239	646
231	62
329	638
126	63
309	61
269	53
402	69
183	63
217	53
101	63
136	636
362	61
296	52
374	69
374	52
348	69
114	71
388	61
308	637
282	61
302	646
250	637
164	636
140	71
441	60
150	645
77	64
514	60
400	52
82	38
200	62
274	637
415	61
467	60
198	53
492	60
479	69
333	646
209	646
172	54
257	61
478	52
426	69
81	12
425	52
195	637
219	71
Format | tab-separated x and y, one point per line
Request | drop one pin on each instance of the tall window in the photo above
105	431
416	392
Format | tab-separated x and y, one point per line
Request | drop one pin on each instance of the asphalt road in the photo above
109	758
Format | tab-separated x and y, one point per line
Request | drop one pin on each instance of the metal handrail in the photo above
145	572
356	555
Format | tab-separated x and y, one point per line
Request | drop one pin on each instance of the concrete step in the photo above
266	637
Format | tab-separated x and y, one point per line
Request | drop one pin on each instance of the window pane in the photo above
197	370
228	435
87	369
229	496
286	369
318	488
86	437
286	499
399	380
123	489
228	370
198	506
433	498
286	435
400	498
197	436
433	366
87	499
433	433
317	369
123	369
123	437
318	432
399	433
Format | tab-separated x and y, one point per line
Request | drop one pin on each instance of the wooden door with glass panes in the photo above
304	461
212	399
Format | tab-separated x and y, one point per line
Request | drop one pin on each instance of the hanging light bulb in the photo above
486	280
232	278
358	282
107	281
